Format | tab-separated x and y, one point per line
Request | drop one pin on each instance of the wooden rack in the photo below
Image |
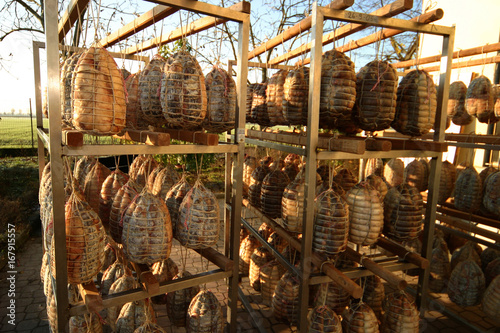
62	142
315	147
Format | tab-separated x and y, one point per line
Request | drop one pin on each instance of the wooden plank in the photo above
446	210
205	8
464	64
488	48
147	19
401	144
202	138
468	226
72	138
297	29
68	19
217	258
378	270
91	297
148	281
331	143
193	28
147	137
403	253
389	10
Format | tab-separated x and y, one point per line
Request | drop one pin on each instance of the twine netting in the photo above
66	79
366	214
149	85
259	258
285	302
496	100
221	101
124	283
492	270
265	230
150	327
401	314
163	270
133	315
374	166
379	184
485	173
111	185
51	308
164	181
331	223
292	204
98	94
247	246
113	273
199	222
152	177
439	269
85	241
109	255
466	284
248	110
415	173
82	169
122	199
291	170
373	293
205	314
270	274
359	317
468	190
249	165
174	198
147	229
255	186
345	178
446	181
271	193
394	172
479	100
134	118
488	255
323	319
275	97
178	301
93	184
86	323
403	213
491	197
332	295
146	168
46	177
376	86
183	92
44	267
416	104
277	242
491	298
134	167
259	113
296	96
338	91
46	212
456	99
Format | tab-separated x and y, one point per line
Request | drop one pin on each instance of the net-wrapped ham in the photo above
178	301
259	258
66	79
149	85
134	119
93	184
133	315
332	295
376	85
221	99
249	165
359	317
479	100
275	97
285	302
323	319
394	172
270	274
271	191
296	96
111	185
98	94
121	201
183	92
468	190
147	229
255	185
199	222
164	181
205	314
85	323
466	284
163	270
401	314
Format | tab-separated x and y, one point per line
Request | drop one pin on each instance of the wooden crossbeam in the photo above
392	9
465	64
91	297
68	19
193	28
296	30
202	138
456	55
147	19
147	137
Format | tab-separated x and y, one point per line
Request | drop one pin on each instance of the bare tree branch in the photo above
20	29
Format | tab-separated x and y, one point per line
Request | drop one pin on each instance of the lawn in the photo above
15	132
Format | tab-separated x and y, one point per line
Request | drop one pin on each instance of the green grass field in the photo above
15	132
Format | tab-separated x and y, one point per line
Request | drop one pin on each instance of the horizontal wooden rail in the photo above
217	258
402	252
468	226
